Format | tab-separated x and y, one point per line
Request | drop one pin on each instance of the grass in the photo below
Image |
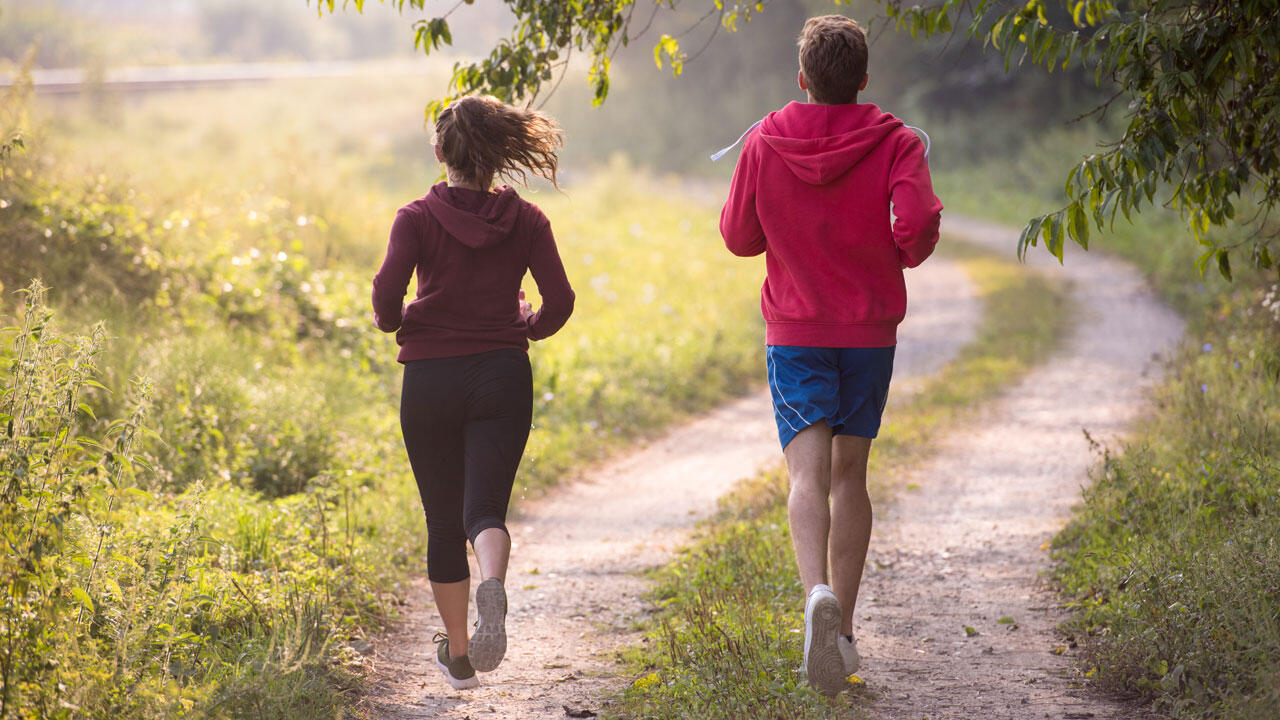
1172	561
207	505
725	643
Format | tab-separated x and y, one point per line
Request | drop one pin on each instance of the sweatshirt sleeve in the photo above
553	285
739	224
392	279
917	210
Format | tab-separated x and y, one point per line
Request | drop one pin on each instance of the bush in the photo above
120	603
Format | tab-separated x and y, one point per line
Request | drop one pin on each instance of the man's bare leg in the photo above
850	532
808	509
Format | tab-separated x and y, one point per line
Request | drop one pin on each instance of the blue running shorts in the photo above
846	387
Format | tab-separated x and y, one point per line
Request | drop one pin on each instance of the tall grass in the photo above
117	602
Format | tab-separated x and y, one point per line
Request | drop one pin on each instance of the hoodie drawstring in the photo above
723	151
926	139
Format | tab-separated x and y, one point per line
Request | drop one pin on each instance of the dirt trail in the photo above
574	589
967	547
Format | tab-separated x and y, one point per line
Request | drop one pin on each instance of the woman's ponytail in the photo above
482	137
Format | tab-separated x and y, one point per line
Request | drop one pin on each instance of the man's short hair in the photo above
833	58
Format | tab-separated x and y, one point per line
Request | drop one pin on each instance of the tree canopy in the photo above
1198	80
546	35
1200	84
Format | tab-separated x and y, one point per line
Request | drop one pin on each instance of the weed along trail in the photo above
575	586
954	620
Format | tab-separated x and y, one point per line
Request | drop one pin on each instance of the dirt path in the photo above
575	593
967	547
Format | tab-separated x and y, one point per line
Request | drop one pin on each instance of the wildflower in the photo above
646	682
1207	347
548	396
1204	388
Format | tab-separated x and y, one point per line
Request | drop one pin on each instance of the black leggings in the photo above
465	422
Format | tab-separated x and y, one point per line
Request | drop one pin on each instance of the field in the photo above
206	495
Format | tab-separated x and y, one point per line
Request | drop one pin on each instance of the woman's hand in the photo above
526	308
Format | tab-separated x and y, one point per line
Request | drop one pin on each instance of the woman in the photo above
467	399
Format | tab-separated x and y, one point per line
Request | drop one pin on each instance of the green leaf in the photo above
1224	264
1027	238
83	597
1078	225
1053	240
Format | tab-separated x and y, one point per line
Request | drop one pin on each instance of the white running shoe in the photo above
489	641
849	651
823	662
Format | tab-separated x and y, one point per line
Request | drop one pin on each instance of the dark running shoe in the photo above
458	670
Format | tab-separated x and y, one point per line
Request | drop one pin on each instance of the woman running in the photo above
467	399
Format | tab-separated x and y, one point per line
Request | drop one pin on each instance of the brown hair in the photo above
833	58
481	136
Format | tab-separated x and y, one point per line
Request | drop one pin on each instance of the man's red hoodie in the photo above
813	190
470	250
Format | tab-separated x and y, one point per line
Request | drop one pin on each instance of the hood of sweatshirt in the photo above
822	142
474	218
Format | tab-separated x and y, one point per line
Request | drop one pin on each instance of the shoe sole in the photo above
457	683
851	665
489	643
823	663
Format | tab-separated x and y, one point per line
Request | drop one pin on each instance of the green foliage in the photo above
544	38
1203	108
121	603
727	640
1173	561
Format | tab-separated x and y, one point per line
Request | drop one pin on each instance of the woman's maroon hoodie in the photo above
813	190
471	249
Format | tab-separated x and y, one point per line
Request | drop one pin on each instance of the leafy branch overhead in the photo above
544	37
1202	85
